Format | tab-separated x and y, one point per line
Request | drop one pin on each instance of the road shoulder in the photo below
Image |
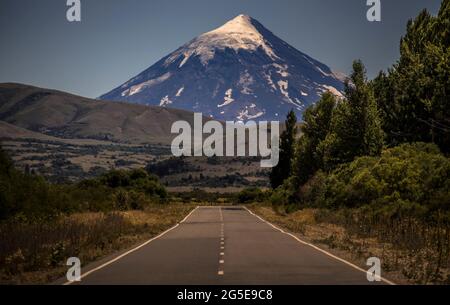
326	238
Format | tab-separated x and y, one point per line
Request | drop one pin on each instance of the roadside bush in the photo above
416	173
115	179
312	194
248	195
197	195
30	198
285	195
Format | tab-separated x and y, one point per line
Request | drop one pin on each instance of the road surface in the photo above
220	246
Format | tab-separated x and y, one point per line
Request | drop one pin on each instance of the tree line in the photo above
405	105
27	197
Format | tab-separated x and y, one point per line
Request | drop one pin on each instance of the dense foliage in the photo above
283	169
169	166
27	196
410	176
335	131
316	127
385	142
250	195
414	95
355	124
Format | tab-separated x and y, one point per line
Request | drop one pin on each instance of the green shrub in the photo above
285	194
116	178
28	197
415	173
248	195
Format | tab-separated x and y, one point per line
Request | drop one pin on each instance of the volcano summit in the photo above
239	71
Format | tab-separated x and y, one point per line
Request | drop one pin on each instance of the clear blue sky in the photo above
117	39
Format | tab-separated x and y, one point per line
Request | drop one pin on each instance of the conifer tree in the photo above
356	124
287	139
413	95
309	149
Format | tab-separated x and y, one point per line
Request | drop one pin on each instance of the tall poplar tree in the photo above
356	125
287	139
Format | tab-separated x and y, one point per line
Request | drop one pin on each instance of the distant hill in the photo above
67	138
11	131
63	115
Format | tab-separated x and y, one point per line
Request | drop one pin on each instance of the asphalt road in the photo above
223	245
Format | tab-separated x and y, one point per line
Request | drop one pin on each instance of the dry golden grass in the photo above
36	253
335	239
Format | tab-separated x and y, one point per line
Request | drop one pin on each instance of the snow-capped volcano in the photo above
237	34
239	71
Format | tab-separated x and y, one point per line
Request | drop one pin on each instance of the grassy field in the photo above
37	253
73	160
411	253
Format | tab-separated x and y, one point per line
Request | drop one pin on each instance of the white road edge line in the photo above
132	250
316	248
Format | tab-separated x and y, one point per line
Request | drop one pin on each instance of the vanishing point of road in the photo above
224	246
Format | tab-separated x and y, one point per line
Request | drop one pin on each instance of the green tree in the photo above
315	128
287	139
356	124
413	95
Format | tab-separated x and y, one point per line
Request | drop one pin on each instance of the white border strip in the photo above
132	250
315	247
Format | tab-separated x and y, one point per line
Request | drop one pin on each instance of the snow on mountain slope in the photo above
239	71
